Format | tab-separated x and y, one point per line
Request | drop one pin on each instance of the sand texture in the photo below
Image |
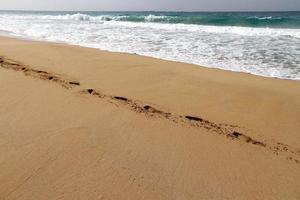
80	123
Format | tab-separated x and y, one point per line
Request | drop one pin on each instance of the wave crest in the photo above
200	19
84	17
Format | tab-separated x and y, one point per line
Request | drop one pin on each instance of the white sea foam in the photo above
263	51
151	18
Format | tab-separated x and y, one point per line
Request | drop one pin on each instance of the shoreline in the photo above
80	122
10	35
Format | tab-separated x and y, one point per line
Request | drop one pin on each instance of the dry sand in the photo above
79	123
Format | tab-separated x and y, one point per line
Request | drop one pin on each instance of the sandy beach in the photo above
80	123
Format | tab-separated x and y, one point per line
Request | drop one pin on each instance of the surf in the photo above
254	47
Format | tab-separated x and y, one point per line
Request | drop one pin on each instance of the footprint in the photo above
120	98
90	91
150	109
247	139
194	118
74	83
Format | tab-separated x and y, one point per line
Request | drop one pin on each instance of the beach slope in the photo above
79	123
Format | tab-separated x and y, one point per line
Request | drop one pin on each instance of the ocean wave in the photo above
153	18
101	18
154	22
76	17
243	31
217	20
259	50
265	18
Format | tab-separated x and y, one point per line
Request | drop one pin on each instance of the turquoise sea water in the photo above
245	19
263	43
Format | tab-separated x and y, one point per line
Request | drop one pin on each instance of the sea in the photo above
261	43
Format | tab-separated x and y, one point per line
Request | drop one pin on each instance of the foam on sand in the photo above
272	52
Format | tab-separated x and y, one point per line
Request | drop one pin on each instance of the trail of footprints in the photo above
9	64
230	131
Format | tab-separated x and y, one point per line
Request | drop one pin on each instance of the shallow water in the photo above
266	44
